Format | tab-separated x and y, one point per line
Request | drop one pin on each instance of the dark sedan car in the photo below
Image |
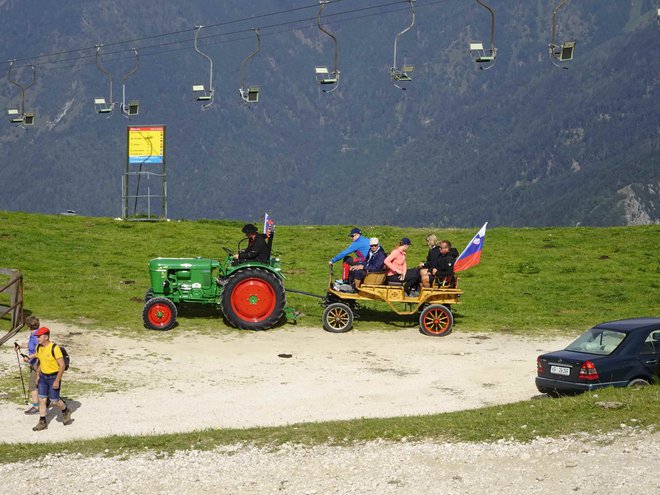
619	353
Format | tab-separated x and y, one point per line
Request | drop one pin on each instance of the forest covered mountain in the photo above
524	143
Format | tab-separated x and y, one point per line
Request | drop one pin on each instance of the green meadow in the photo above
92	272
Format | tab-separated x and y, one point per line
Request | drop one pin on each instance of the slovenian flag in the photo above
471	255
269	225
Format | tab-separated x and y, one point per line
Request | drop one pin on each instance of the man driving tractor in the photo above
257	249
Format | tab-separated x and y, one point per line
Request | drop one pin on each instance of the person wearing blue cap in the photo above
398	271
359	246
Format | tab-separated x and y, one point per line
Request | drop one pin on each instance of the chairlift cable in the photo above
185	41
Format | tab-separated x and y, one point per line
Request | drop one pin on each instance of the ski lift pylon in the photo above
250	94
485	57
204	94
19	115
564	51
324	76
402	75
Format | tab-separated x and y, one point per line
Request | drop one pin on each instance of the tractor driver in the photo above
257	249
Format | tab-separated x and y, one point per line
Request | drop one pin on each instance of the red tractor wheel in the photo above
159	313
253	299
436	320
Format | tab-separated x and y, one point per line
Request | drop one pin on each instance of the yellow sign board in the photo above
146	144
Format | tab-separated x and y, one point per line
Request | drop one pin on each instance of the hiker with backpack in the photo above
51	365
30	359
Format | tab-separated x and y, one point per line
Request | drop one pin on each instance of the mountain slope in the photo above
523	143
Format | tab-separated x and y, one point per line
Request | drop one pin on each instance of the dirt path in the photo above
188	382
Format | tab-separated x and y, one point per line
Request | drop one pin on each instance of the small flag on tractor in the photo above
269	225
471	255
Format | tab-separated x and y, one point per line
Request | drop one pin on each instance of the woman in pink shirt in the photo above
398	269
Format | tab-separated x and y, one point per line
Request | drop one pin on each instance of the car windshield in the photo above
597	341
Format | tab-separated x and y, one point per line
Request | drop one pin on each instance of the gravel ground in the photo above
620	463
241	379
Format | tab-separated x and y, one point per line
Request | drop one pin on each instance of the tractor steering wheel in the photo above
228	251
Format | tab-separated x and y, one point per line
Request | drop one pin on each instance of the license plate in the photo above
560	370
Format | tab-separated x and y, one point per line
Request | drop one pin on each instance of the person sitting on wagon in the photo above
359	247
439	263
398	270
426	268
374	263
256	250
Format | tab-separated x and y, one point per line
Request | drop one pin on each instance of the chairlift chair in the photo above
133	106
18	115
102	106
562	52
15	116
250	94
402	74
485	57
324	76
207	94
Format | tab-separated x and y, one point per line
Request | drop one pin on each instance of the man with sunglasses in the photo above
359	247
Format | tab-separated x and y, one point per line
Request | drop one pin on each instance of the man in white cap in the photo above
374	263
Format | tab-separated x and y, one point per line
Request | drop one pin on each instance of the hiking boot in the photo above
32	410
41	425
66	416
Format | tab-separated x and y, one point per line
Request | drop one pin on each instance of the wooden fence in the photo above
11	302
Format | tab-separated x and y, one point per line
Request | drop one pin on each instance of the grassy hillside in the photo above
93	271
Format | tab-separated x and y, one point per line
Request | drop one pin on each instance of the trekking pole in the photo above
20	371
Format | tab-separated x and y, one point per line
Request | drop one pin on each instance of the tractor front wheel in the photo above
159	313
253	299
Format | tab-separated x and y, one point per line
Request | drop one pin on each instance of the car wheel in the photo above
637	382
159	313
337	318
436	320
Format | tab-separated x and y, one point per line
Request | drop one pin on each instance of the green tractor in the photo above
250	294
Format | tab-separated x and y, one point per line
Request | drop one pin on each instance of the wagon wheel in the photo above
337	318
253	299
159	313
436	320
